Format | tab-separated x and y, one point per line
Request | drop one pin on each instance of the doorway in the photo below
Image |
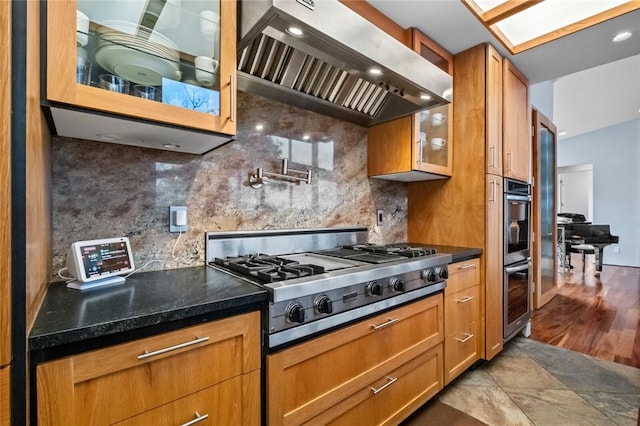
575	190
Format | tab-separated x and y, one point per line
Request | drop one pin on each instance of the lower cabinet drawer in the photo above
217	405
109	385
461	350
461	308
392	397
312	377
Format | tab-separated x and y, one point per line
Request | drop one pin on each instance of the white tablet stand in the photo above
77	285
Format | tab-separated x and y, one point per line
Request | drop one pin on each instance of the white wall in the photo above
541	97
614	152
597	97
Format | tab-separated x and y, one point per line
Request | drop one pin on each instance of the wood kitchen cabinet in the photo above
493	311
5	210
178	59
382	369
209	372
466	210
416	147
516	124
493	111
462	345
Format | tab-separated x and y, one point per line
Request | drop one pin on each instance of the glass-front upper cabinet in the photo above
417	147
169	61
434	127
433	152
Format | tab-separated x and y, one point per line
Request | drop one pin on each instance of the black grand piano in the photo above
579	232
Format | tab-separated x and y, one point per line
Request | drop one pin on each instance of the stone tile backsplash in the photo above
102	190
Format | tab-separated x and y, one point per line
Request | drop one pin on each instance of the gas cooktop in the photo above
318	279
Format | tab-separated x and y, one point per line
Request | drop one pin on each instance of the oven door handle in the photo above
512	269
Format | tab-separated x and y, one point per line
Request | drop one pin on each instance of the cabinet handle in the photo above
509	161
198	419
468	336
493	192
471	265
492	150
384	324
232	98
197	340
465	300
390	381
420	142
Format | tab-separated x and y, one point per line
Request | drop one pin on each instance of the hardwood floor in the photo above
598	315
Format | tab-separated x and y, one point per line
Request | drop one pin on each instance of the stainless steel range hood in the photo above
327	68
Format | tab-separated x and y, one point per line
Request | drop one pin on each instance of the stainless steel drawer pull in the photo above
197	340
384	324
465	300
467	266
198	419
468	336
390	381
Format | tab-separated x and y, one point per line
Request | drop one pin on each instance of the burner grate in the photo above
268	268
281	273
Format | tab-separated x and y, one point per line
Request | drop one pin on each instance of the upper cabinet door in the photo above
516	124
493	117
167	61
433	129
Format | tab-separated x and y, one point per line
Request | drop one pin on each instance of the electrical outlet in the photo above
178	219
379	217
616	249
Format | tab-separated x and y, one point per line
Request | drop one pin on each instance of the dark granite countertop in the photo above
146	299
458	254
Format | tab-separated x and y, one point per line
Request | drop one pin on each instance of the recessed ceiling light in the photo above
621	37
425	97
295	31
259	127
375	71
562	132
306	137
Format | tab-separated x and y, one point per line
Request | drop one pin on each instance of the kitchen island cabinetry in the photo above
173	65
209	371
416	147
462	318
381	369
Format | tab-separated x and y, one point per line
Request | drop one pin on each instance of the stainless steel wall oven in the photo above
517	285
517	256
517	221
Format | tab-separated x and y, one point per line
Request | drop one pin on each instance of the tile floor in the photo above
533	383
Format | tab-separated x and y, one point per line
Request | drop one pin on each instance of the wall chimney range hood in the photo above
321	55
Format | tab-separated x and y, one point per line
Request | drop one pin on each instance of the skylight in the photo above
524	24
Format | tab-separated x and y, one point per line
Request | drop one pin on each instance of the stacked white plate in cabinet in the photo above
137	54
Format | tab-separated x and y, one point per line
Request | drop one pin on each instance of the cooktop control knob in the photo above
397	284
428	275
323	305
295	312
374	289
443	273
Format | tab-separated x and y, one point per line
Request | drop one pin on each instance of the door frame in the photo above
539	298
